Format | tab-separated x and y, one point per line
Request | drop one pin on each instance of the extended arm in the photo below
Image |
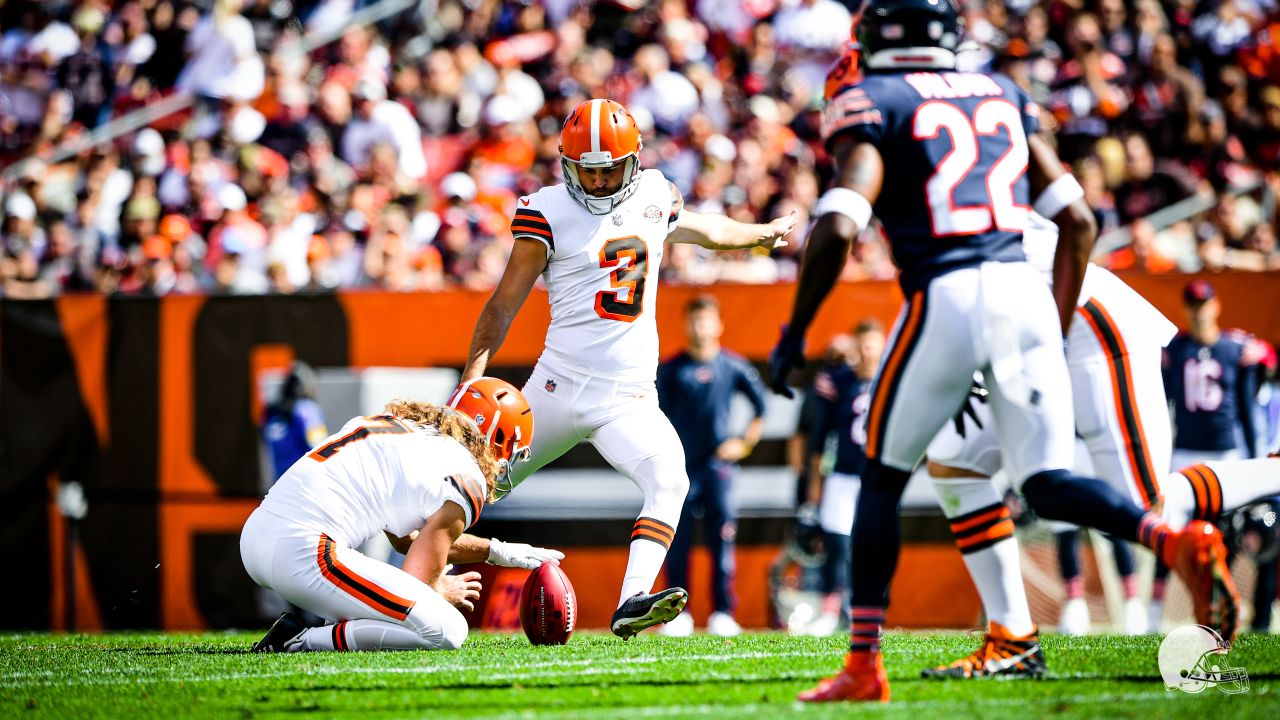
1059	197
717	232
528	259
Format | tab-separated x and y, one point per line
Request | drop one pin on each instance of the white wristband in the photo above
1060	193
495	551
846	202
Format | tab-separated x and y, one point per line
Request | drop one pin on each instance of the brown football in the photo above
548	607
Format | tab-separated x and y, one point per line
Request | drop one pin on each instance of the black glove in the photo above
807	543
787	355
979	393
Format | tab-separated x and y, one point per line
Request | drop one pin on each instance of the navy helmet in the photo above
910	34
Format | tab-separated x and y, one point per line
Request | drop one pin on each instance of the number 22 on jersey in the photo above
957	166
624	301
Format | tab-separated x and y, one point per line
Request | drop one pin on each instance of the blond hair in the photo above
453	424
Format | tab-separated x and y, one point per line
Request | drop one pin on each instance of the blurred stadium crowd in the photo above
392	157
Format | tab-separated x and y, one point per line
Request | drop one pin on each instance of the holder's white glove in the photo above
520	555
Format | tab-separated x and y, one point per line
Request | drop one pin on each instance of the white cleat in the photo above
1135	617
1074	619
722	624
680	626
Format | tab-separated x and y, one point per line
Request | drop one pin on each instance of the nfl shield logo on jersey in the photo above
550	386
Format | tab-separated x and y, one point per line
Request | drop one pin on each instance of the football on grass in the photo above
548	607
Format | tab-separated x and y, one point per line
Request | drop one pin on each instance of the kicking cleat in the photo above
1001	655
286	628
643	610
862	679
1200	559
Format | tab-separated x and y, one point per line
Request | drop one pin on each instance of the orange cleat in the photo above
1001	655
1200	559
862	679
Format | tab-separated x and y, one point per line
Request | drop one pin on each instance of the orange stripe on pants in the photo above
888	379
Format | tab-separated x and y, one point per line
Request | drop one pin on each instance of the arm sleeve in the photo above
529	222
1030	113
664	385
853	114
1246	400
467	491
750	384
822	396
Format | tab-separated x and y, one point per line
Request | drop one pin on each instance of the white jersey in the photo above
1040	243
602	276
377	473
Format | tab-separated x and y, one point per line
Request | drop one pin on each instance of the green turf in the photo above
595	676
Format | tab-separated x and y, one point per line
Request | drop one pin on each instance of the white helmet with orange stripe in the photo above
502	414
600	153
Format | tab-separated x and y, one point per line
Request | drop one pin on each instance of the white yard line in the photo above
594	667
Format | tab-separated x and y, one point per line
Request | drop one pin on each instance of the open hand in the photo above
461	591
778	229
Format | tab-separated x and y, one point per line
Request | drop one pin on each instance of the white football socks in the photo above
1210	490
643	565
985	537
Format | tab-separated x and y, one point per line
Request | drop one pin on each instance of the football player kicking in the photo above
597	240
421	473
1113	357
973	304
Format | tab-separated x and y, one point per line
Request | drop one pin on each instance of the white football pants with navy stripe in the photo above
998	319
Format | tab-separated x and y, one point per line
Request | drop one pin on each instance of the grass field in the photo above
595	676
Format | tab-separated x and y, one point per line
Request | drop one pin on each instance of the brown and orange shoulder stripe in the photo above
532	223
472	490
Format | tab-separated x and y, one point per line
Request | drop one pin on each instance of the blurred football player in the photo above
294	423
973	304
842	397
696	390
1114	348
597	240
420	473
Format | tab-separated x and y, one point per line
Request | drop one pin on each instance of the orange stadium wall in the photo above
149	404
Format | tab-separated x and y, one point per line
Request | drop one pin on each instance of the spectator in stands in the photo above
695	390
1167	102
223	59
1145	189
377	120
1142	253
724	96
1089	92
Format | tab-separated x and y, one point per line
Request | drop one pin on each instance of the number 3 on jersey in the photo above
630	257
988	118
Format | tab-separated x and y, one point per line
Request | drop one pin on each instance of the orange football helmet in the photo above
503	416
600	134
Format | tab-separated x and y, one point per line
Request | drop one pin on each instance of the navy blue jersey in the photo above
292	431
696	397
840	402
1212	392
954	144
